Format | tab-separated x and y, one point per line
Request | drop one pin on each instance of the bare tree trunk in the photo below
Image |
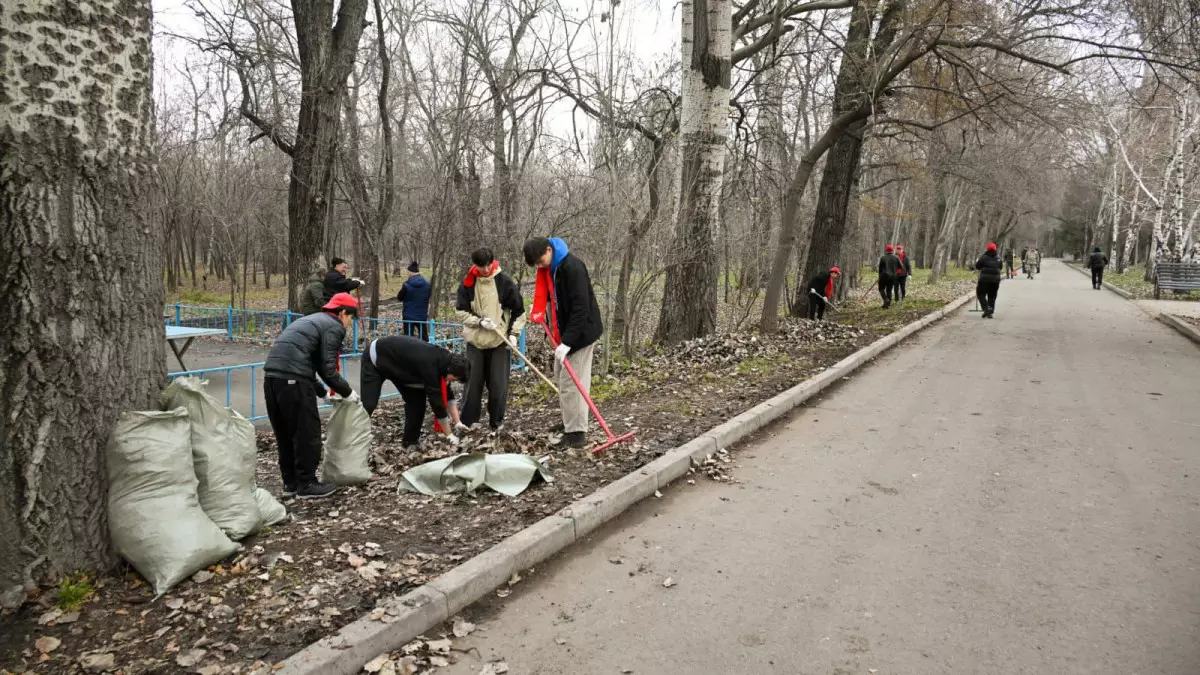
637	232
77	352
689	307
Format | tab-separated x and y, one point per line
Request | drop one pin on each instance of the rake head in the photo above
612	440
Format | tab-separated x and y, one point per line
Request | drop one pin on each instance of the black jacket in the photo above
336	282
990	267
819	283
575	306
889	266
405	361
1097	260
308	349
1008	257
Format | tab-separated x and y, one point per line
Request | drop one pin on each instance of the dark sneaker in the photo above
316	490
289	489
574	439
498	429
558	428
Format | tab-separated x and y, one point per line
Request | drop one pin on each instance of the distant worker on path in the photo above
820	292
889	267
1097	261
422	373
305	351
336	280
415	294
989	266
1008	264
564	301
1037	260
492	313
901	289
312	298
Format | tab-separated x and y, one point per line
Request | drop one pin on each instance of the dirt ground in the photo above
332	562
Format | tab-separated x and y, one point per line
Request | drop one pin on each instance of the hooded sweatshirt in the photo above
563	299
494	296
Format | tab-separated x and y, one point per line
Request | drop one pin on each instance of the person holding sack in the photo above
305	351
489	307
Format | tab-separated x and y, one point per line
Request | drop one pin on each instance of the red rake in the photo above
613	439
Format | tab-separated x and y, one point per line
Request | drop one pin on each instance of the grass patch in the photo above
616	387
759	364
74	591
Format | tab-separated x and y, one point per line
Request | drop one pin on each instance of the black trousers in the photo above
417	329
292	409
1097	277
986	291
901	288
489	367
885	290
414	413
816	307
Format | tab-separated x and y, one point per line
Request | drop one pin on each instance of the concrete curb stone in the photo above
1119	291
1183	327
427	606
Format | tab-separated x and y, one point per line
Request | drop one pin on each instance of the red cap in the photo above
991	246
341	301
834	270
888	248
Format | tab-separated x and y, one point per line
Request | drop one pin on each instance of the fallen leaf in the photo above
368	573
46	618
346	548
356	561
463	628
658	494
439	646
615	561
559	641
503	593
174	603
191	658
514	579
47	644
214	669
202	576
668	582
439	662
494	668
98	662
69	617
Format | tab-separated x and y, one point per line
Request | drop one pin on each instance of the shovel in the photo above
613	439
527	361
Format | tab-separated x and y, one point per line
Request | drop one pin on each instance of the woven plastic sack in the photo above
347	445
272	511
223	451
154	517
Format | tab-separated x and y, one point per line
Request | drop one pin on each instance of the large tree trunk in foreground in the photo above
81	329
689	307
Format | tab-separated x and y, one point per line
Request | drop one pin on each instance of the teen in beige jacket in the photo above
490	307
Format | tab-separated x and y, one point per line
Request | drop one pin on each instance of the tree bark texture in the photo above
327	53
689	307
81	329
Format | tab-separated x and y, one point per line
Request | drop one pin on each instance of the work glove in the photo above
354	397
514	340
487	324
560	353
461	428
452	439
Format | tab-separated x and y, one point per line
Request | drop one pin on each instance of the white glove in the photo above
487	324
560	353
461	428
353	397
452	439
514	340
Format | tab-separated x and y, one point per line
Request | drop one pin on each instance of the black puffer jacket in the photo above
578	313
889	266
1097	260
990	267
336	282
308	349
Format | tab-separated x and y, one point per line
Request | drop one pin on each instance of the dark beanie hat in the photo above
414	267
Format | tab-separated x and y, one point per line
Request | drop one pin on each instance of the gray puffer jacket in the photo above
308	349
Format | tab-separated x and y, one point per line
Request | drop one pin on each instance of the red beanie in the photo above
991	246
888	248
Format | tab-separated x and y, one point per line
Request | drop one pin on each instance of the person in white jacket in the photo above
492	313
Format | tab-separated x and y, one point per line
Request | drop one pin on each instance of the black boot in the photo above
573	439
315	490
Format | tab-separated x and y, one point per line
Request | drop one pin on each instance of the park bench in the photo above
1176	276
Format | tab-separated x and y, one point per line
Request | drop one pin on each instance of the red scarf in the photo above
543	301
445	402
473	273
901	256
829	287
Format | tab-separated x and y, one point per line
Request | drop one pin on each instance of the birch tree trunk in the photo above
1131	235
689	307
81	330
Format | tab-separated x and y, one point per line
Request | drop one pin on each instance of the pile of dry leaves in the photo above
336	559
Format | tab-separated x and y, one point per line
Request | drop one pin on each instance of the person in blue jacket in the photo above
415	295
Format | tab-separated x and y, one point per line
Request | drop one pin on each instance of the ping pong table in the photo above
186	334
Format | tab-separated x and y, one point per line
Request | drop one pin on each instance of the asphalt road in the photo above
1017	495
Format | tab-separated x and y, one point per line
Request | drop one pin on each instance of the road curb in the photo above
1182	326
1119	291
408	616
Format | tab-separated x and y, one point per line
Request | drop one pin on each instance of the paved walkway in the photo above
1176	307
1018	495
